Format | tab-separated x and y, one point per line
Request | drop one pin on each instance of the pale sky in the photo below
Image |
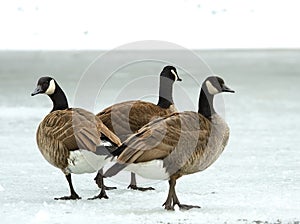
194	24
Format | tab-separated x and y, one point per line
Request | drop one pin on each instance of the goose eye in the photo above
45	85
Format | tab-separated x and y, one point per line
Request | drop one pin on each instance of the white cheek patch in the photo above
211	89
51	88
174	73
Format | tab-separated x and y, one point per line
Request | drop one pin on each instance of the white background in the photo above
92	24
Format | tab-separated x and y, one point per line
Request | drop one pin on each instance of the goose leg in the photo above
73	195
98	181
133	186
102	193
182	206
172	198
169	202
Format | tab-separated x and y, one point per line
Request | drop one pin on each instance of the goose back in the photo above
128	117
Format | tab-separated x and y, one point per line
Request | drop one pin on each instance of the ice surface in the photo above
255	180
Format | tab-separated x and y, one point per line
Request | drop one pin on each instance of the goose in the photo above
128	117
180	144
72	139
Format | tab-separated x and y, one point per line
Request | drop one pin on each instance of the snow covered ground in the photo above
256	179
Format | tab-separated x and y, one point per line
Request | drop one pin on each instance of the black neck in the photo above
165	92
206	106
59	99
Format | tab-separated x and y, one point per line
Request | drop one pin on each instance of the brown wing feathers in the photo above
128	117
76	128
109	134
167	139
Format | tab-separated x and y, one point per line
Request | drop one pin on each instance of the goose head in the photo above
45	85
170	72
214	85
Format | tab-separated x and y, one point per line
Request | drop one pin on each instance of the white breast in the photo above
150	170
84	161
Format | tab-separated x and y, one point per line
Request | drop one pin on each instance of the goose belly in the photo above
84	161
150	170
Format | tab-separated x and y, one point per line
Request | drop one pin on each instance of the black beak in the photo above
178	79
38	90
227	89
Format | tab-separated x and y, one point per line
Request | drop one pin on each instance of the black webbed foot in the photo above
100	196
134	187
71	197
187	207
168	207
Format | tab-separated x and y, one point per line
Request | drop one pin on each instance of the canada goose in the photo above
128	117
177	145
72	139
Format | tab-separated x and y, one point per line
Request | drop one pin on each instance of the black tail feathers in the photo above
110	151
104	151
119	150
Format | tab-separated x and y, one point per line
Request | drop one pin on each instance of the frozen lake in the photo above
255	180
